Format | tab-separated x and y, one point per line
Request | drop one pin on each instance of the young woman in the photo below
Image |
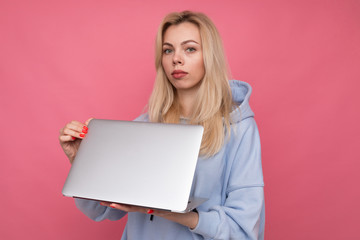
192	87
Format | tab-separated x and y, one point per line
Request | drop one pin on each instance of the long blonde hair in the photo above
214	100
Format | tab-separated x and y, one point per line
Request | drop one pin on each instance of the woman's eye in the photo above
190	49
167	51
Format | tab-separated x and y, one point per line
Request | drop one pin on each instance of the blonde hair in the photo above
214	100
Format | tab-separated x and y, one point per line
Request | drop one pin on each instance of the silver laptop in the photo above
137	163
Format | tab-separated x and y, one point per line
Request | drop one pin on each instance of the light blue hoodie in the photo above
232	180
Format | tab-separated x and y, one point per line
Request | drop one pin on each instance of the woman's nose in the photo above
178	59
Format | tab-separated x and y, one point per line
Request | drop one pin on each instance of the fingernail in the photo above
82	135
84	130
101	204
150	211
85	127
112	206
73	138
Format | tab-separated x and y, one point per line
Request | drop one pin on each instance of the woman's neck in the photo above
186	102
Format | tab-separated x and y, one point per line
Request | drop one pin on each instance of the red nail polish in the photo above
84	131
82	135
73	138
112	206
150	211
85	127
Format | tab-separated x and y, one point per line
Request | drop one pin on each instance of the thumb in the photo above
88	121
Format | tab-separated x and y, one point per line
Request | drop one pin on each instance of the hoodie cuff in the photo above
207	225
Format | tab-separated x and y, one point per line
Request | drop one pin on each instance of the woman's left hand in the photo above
189	219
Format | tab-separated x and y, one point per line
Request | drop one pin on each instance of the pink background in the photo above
64	60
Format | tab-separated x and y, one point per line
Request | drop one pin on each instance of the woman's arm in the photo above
189	219
239	218
242	214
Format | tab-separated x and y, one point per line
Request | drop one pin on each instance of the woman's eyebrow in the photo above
187	41
183	43
168	44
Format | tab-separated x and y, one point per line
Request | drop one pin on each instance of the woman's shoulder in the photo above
244	129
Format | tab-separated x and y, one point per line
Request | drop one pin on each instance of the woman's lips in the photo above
177	74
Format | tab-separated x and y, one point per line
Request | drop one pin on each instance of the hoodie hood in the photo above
241	92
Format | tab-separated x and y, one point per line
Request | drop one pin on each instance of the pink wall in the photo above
64	60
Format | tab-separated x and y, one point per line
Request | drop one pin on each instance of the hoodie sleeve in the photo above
96	212
240	215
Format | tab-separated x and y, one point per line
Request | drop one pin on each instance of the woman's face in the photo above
182	57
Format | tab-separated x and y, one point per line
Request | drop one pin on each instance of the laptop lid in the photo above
137	163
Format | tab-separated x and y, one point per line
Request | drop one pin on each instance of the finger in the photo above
128	208
75	134
106	204
75	129
66	138
76	126
61	131
120	207
88	121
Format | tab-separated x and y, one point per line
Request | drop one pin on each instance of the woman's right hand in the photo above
71	136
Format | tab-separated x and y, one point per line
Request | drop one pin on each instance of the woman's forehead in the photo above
182	32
